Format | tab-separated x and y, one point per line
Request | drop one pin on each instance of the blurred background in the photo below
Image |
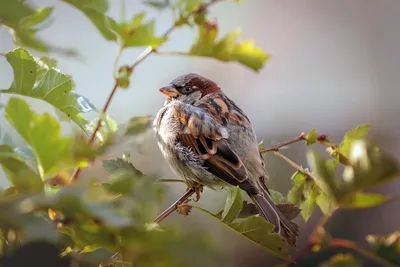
334	65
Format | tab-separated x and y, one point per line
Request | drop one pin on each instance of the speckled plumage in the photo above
207	139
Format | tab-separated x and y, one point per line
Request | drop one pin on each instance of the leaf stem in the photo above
344	243
174	206
288	142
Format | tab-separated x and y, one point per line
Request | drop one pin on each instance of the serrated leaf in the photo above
258	230
233	205
386	246
365	200
311	137
227	48
341	260
136	33
95	11
54	88
18	173
358	133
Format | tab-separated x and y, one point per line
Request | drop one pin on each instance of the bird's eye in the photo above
186	90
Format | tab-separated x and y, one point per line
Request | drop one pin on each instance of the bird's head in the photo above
189	88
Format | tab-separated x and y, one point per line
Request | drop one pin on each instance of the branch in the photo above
288	142
344	243
174	206
148	51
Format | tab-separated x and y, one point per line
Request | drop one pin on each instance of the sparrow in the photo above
208	140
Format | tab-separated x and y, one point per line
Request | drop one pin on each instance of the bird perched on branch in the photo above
208	140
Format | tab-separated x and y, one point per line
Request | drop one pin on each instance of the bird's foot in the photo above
198	188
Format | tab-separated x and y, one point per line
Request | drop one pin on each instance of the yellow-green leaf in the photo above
311	137
54	87
18	172
365	200
233	205
95	11
358	133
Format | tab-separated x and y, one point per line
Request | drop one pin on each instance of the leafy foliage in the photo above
363	168
34	78
110	223
386	246
253	227
227	48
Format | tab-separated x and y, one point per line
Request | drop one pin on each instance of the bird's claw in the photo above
198	188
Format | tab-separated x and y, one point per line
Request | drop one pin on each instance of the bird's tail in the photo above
272	214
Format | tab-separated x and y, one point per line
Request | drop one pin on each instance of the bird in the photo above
209	141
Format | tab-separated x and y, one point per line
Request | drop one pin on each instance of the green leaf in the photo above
258	230
227	48
20	17
138	125
137	33
18	173
278	198
24	23
95	11
369	167
365	200
113	166
254	228
54	88
358	133
295	195
233	205
307	195
41	132
341	260
311	137
386	246
309	204
38	17
158	4
325	203
325	178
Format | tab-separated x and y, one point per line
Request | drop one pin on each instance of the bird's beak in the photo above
170	91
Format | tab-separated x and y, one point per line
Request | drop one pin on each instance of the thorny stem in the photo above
288	142
148	51
174	206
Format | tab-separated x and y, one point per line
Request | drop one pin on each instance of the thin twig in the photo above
174	206
344	243
171	181
288	142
